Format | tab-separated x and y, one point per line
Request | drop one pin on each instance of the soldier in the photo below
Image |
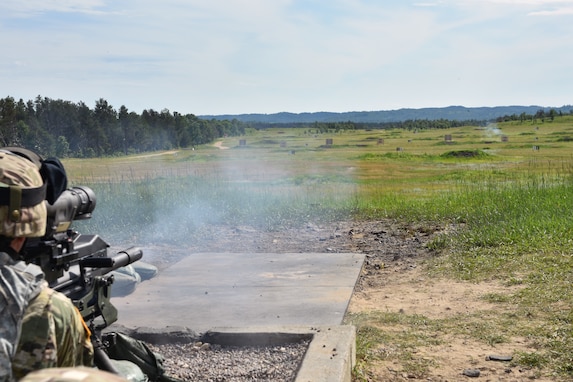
39	328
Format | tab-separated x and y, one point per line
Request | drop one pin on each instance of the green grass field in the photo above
508	186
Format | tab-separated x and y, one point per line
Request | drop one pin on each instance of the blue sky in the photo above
268	56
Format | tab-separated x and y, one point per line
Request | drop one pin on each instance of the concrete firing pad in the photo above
207	290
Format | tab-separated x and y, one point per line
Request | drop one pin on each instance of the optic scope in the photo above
76	203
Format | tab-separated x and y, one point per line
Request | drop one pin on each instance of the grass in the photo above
517	230
399	340
510	201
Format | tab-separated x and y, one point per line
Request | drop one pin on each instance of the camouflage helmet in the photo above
22	197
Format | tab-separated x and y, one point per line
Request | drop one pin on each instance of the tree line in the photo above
540	115
410	124
67	129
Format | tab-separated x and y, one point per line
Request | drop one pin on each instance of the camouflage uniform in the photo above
53	335
38	327
47	328
18	285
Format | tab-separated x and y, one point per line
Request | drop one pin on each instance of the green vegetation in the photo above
65	129
507	189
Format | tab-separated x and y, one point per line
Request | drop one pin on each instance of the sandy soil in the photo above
393	279
219	145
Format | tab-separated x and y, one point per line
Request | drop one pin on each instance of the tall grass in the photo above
516	229
172	209
527	210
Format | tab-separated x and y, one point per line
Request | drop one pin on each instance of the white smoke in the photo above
492	130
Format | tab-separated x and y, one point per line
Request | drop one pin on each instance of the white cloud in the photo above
554	12
285	55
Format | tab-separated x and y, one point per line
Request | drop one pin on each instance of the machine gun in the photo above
78	265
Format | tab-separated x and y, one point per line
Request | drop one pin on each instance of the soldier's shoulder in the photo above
71	374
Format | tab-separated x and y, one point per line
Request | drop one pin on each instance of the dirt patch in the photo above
410	291
393	279
172	152
219	145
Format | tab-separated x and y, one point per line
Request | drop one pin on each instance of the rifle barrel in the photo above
121	259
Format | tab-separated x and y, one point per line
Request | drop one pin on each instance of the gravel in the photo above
206	362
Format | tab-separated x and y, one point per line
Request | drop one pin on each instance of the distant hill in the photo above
459	113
